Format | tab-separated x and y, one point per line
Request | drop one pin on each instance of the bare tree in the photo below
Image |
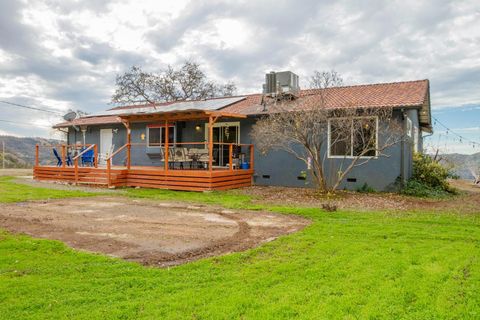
188	82
325	79
303	126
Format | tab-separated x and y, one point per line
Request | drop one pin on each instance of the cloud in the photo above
65	54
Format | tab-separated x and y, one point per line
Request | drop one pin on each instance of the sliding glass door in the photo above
224	133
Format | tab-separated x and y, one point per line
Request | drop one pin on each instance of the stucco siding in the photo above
276	167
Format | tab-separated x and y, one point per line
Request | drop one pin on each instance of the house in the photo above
208	143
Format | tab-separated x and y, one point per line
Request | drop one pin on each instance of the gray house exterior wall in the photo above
276	168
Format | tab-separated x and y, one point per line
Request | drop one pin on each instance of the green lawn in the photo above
345	265
14	192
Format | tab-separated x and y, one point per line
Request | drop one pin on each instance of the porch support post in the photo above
37	147
64	157
230	156
129	146
210	143
166	144
126	123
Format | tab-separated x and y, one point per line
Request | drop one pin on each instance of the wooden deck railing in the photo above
63	151
64	148
109	161
75	159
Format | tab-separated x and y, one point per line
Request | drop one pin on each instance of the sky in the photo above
62	55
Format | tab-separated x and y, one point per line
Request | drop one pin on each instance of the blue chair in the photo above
88	158
69	160
59	160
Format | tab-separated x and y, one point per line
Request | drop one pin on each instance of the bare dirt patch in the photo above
16	172
152	233
468	202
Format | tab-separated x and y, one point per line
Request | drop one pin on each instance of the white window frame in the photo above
351	156
147	131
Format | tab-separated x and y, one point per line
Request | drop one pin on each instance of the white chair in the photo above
102	157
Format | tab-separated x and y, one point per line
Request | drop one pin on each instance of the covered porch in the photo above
215	162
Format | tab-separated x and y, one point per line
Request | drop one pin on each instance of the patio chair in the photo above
69	159
59	160
102	157
171	156
88	158
180	155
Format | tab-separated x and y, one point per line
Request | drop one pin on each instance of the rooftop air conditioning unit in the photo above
285	82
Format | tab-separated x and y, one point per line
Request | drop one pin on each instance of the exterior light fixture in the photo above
198	127
142	136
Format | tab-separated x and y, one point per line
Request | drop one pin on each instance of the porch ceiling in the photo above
180	115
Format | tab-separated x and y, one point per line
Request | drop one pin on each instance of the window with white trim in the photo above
156	133
353	137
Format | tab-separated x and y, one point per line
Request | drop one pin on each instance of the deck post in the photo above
76	171
36	155
210	143
129	148
230	156
166	145
109	168
95	155
63	156
126	124
251	156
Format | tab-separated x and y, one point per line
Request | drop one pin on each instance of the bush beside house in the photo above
429	179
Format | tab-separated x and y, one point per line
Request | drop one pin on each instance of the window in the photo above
365	137
154	137
156	133
352	137
340	137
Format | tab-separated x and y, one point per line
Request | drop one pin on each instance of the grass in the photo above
229	199
345	265
15	192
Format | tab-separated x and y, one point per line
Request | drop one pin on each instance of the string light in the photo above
460	138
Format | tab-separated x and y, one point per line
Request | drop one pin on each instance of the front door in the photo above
223	134
106	140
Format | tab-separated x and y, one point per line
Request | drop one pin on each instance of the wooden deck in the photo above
149	177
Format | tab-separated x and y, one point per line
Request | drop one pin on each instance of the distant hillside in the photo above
463	163
20	152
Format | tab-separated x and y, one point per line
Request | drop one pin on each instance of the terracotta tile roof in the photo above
395	94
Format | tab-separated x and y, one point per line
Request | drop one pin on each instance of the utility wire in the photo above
24	123
31	108
462	138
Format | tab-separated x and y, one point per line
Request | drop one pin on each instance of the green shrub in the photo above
429	178
365	188
419	189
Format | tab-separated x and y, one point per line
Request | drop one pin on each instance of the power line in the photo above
31	108
24	123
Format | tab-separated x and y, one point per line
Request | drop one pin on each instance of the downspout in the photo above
402	149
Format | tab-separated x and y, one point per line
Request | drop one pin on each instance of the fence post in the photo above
95	155
76	171
129	159
64	157
251	156
109	166
37	147
230	156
